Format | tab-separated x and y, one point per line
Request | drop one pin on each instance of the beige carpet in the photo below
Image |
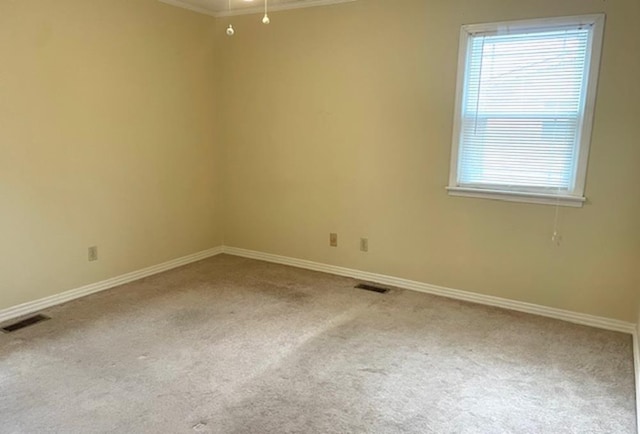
231	345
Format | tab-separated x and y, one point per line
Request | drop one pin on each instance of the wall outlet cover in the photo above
333	239
364	244
93	253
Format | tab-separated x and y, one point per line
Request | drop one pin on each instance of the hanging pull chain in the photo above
265	19
556	237
230	29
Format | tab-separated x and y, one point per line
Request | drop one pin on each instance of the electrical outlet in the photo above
93	253
333	240
364	244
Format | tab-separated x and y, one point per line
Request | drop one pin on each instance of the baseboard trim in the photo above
43	303
565	315
636	361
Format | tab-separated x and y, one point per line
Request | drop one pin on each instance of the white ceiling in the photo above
220	8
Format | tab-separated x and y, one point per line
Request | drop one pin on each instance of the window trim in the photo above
574	198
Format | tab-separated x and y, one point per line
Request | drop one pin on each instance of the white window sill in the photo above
518	196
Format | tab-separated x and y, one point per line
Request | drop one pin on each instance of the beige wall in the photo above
331	119
106	138
340	118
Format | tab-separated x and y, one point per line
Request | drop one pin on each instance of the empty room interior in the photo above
319	216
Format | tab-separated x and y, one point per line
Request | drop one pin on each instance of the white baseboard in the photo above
565	315
574	317
43	303
636	361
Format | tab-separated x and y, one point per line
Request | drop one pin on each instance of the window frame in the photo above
575	197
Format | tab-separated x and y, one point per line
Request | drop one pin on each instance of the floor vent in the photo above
24	323
372	288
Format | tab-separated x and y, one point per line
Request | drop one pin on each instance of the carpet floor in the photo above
231	345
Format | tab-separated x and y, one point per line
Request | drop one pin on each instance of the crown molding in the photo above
253	10
185	5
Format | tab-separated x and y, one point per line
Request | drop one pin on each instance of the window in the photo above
524	109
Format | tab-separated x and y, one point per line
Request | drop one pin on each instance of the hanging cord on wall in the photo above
556	237
475	121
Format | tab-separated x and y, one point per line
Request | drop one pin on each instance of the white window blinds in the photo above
522	109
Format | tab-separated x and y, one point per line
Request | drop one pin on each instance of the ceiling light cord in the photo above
230	29
265	19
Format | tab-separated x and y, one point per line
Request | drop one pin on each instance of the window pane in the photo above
522	110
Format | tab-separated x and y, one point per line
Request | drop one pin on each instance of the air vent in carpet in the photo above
372	288
24	323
